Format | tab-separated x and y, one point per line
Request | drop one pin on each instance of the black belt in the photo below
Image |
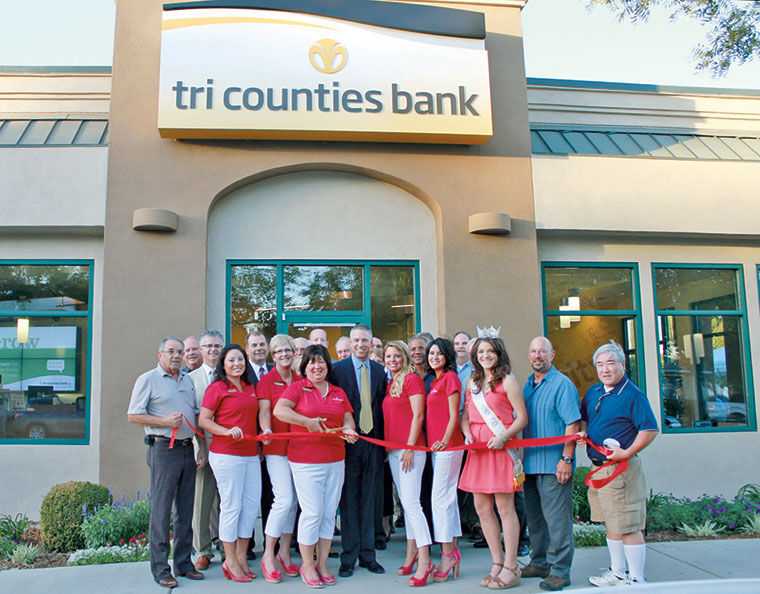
188	441
598	462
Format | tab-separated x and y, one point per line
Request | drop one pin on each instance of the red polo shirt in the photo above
271	387
437	408
397	411
310	403
233	408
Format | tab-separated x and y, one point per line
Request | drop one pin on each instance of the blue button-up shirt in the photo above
552	405
463	372
358	370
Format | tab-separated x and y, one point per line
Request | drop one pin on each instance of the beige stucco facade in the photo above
290	200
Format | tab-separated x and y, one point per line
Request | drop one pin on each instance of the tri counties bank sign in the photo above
324	70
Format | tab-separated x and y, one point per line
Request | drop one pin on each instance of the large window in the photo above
703	348
45	351
587	305
295	297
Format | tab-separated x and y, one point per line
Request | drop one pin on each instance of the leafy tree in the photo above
734	37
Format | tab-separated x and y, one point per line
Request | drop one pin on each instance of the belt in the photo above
188	441
598	462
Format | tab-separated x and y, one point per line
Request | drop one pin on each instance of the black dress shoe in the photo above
345	570
372	566
380	544
251	555
167	582
192	575
480	544
333	554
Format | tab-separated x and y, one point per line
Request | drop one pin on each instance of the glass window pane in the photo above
253	301
598	288
323	288
44	377
393	307
702	371
32	287
575	343
334	332
696	289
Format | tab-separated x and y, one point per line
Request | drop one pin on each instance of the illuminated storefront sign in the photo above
273	74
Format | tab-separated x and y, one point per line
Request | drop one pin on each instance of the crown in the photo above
488	332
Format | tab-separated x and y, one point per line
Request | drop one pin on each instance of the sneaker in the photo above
608	578
530	571
523	550
553	583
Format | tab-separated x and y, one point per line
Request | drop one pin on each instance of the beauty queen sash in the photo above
498	429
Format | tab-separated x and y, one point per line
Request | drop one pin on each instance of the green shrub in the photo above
586	534
62	513
115	554
117	523
14	527
581	507
7	544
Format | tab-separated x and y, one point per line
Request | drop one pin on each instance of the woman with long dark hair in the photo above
494	412
230	411
443	431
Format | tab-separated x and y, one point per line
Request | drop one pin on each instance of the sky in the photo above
562	40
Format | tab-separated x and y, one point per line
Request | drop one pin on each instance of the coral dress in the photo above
488	471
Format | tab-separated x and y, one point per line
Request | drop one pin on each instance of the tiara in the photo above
488	332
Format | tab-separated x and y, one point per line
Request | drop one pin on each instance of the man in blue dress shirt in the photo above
552	403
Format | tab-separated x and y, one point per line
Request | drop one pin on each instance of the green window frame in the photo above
739	312
285	317
632	314
86	389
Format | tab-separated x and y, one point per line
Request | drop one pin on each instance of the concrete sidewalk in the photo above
718	560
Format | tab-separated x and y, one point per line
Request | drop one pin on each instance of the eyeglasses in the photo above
211	346
172	352
283	352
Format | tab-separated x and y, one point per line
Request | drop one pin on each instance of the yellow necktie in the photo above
365	414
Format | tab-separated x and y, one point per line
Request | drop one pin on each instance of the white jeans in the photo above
238	479
408	487
318	487
446	524
282	516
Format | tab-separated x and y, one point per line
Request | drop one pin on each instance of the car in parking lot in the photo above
47	420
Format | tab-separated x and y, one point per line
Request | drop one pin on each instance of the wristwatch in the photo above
567	459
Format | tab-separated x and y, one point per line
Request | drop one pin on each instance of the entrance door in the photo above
295	297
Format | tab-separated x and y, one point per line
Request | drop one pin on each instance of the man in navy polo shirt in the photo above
616	413
552	403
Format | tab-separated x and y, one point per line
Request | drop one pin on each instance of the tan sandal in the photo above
489	578
498	584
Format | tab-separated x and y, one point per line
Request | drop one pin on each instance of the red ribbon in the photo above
512	443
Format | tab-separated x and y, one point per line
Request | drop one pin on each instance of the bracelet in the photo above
266	432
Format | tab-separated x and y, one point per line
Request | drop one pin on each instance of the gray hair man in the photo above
343	348
257	349
552	403
192	356
617	414
163	400
205	513
319	336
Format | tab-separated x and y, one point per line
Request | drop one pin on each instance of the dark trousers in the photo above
549	507
267	498
522	516
383	501
172	480
357	502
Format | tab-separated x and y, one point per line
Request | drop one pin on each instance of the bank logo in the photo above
328	56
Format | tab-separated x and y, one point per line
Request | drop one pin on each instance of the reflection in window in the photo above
323	288
587	307
253	301
393	303
44	356
701	354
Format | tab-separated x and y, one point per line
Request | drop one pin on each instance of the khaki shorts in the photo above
621	504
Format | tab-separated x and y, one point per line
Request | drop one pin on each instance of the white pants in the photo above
318	487
238	479
446	524
282	516
408	487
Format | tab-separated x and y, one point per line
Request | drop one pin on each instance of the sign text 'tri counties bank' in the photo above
247	73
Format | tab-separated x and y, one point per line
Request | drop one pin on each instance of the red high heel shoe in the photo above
289	570
272	578
231	576
408	569
442	576
327	580
311	583
419	582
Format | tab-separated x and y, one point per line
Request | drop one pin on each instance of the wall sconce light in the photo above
22	330
490	223
154	219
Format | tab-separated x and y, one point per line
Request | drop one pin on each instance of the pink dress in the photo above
488	471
